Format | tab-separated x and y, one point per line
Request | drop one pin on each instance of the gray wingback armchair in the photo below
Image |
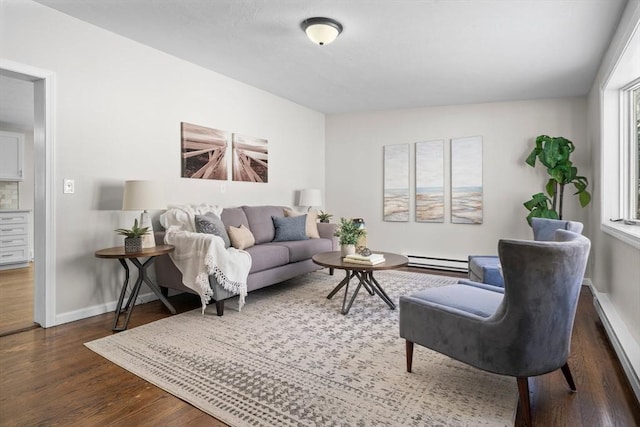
521	330
486	268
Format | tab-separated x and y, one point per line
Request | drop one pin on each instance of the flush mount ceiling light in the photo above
321	30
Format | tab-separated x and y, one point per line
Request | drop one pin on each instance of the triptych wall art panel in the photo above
466	180
205	154
466	189
430	181
396	182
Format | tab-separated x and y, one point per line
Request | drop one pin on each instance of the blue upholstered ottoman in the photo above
485	269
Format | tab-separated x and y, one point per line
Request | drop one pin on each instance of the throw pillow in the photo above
290	228
241	237
311	227
183	216
211	224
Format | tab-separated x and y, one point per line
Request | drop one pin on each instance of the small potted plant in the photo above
133	239
324	216
349	232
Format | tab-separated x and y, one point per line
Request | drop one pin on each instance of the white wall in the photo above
616	269
118	110
355	170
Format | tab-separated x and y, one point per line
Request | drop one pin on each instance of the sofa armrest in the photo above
326	231
159	237
167	274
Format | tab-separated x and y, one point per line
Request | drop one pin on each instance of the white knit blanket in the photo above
199	255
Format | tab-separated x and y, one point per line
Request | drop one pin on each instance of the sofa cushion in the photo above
312	221
485	269
241	237
260	222
234	217
288	229
301	250
266	256
210	223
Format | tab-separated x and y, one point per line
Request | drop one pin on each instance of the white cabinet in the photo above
14	239
11	156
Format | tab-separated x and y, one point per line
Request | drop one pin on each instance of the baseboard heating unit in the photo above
446	264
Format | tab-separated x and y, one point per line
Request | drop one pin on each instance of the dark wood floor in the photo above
16	304
48	377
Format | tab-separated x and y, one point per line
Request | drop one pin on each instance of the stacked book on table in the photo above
372	259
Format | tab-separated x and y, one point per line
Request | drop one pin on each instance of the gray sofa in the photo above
271	262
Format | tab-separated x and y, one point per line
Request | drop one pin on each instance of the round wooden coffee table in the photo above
363	272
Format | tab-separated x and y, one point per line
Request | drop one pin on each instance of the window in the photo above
618	140
636	129
631	149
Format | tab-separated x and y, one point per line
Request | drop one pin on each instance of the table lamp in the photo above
310	197
144	196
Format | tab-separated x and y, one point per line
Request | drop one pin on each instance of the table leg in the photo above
344	282
346	309
133	297
142	269
130	303
362	275
119	310
344	299
378	289
366	280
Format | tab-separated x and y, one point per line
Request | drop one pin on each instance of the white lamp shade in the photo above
143	195
310	197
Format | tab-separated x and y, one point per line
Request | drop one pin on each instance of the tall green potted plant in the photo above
554	153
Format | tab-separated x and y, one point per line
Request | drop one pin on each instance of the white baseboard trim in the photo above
626	347
72	316
447	264
14	266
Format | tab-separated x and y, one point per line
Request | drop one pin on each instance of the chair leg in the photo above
567	375
523	391
409	346
220	307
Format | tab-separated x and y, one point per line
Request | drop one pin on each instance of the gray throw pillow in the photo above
290	228
209	223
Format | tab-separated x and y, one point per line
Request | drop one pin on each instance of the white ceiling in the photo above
391	54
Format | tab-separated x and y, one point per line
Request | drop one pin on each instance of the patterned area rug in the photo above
291	359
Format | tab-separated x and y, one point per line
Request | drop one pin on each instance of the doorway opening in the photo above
43	215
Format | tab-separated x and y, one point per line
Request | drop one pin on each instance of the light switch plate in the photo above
69	186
